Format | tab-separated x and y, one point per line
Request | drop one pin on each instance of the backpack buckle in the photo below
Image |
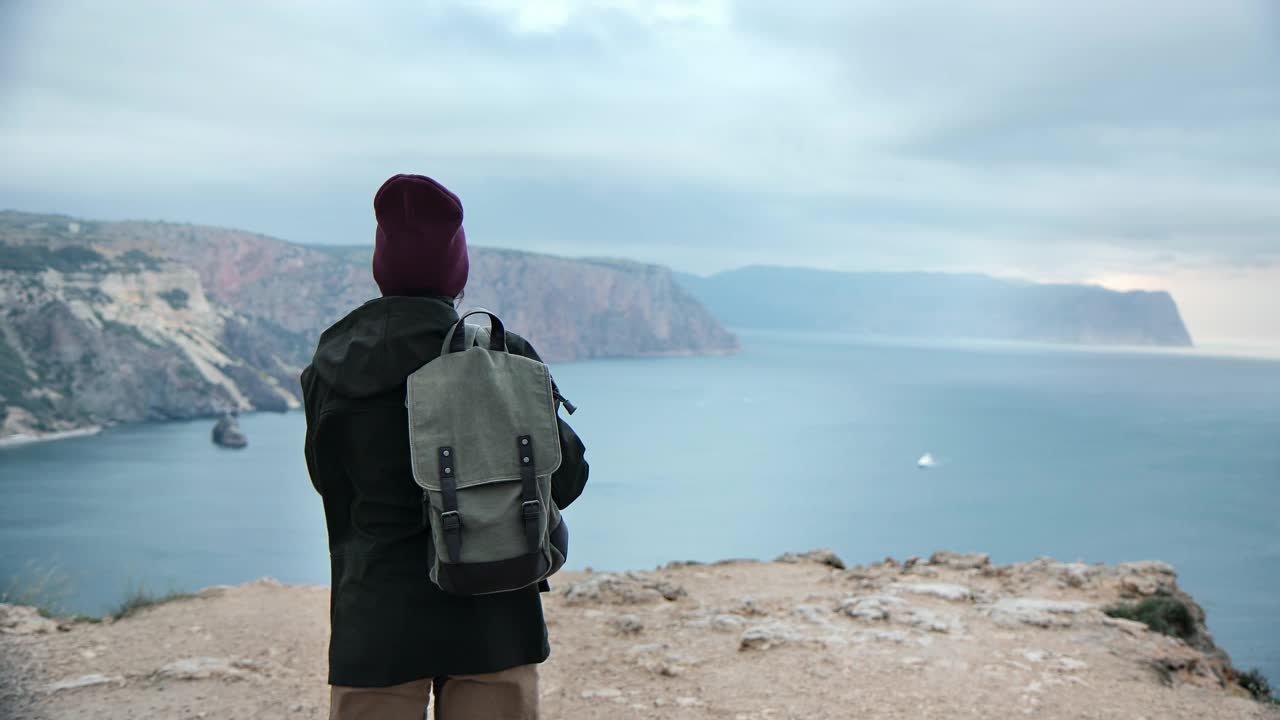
450	520
531	509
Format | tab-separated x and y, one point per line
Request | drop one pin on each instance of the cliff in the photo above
936	305
951	636
110	322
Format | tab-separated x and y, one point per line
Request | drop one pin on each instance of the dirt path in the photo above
954	638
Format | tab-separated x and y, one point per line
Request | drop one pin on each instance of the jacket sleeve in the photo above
568	482
311	406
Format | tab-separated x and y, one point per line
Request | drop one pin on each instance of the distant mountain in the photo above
936	305
107	322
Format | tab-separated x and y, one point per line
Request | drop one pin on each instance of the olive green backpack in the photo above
485	441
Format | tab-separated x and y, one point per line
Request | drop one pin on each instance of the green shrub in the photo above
1256	683
139	598
1166	615
38	258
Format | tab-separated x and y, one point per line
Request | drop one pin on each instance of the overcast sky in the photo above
1135	144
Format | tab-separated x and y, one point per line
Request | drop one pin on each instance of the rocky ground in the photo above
803	637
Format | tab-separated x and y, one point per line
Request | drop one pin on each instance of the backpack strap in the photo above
455	342
450	521
531	509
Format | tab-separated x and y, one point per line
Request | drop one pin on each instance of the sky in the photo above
1132	144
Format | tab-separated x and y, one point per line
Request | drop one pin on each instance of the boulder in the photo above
620	589
945	591
1074	574
1034	611
960	561
870	607
764	637
626	624
824	556
23	620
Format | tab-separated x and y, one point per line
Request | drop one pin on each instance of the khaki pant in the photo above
507	695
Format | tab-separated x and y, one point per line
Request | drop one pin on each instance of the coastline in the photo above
20	439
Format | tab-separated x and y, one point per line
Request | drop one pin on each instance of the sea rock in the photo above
23	620
824	556
226	433
960	561
1034	611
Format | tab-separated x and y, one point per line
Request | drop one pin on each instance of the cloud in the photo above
1047	140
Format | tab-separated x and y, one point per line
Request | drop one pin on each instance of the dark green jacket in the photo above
390	624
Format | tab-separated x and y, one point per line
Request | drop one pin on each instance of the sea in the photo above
799	441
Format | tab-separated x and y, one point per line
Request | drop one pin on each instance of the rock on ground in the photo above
948	637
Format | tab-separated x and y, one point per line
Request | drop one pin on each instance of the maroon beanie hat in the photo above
420	247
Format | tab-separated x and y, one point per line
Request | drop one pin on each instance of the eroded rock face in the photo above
132	321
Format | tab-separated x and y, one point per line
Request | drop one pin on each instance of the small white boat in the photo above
926	461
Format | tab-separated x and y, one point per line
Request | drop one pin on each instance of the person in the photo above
397	641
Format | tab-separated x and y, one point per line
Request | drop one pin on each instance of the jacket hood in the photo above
373	349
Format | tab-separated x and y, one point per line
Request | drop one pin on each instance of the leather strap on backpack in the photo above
530	509
450	521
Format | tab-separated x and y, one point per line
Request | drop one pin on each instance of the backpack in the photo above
485	440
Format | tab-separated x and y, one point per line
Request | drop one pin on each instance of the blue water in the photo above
797	442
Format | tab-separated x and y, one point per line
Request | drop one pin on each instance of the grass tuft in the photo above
1165	615
44	588
139	598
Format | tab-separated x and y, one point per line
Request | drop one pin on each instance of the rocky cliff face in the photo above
937	305
119	322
